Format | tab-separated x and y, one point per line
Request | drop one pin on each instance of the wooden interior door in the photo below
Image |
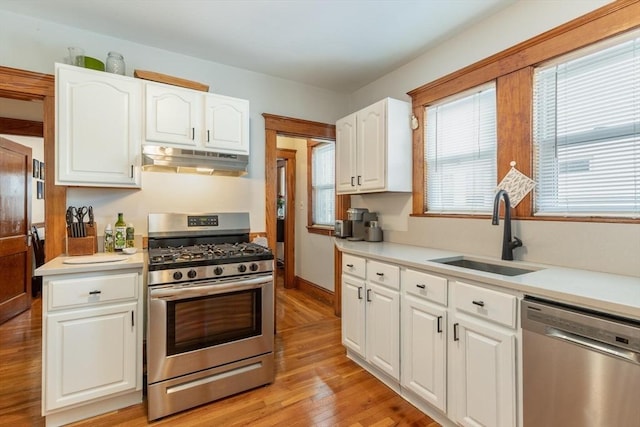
15	220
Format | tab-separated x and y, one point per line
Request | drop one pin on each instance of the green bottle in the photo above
120	234
130	236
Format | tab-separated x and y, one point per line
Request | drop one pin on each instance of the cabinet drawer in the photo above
425	286
90	290
354	266
383	274
486	303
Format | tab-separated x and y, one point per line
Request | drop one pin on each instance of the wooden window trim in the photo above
512	69
325	230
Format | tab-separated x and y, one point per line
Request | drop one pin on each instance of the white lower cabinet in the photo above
92	344
383	329
353	315
371	313
482	355
424	337
483	371
89	354
447	346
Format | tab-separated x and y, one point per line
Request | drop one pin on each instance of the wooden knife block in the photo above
83	245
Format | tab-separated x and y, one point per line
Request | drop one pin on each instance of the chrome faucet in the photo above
508	245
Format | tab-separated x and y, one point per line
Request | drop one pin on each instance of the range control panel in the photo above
202	221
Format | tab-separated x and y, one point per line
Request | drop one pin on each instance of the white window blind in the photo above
460	153
586	132
323	184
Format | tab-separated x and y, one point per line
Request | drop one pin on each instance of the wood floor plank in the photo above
316	384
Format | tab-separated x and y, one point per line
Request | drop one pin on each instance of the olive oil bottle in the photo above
120	233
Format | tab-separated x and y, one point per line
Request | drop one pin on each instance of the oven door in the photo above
206	324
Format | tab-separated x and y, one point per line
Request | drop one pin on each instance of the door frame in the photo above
289	157
280	125
29	86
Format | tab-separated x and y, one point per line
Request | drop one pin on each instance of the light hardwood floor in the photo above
316	385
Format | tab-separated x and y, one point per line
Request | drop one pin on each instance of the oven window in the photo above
201	322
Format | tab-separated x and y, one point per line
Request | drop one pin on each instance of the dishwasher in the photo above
580	367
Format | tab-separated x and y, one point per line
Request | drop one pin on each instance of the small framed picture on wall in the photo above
36	168
40	190
41	170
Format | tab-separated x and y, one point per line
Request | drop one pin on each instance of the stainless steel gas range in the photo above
210	325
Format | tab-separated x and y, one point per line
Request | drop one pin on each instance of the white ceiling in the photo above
340	45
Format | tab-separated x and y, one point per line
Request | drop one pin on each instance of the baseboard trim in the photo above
315	291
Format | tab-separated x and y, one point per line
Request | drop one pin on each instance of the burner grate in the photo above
208	253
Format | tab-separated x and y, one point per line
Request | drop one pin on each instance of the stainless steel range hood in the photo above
181	160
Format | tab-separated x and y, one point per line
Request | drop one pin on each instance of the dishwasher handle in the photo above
591	344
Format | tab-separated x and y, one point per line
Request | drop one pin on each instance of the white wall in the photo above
35	45
314	252
37	152
604	247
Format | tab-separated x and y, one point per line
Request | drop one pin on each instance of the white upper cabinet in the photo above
346	154
185	118
373	149
98	131
227	124
173	115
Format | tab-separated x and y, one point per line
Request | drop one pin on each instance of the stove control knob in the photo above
253	267
217	271
177	275
242	268
192	274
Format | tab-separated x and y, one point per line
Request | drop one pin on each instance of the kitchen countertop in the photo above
97	262
606	292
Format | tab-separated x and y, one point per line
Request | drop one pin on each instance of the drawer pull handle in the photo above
359	292
380	274
95	292
352	184
478	303
368	295
455	332
421	286
350	265
439	330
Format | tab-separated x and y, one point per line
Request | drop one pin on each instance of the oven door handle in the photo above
208	288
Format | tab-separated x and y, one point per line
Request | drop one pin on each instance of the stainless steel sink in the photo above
505	270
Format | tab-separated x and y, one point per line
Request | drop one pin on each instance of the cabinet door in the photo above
484	375
424	343
173	115
353	314
383	329
89	354
371	143
227	124
98	128
346	155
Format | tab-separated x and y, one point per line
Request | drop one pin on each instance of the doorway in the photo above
29	86
287	126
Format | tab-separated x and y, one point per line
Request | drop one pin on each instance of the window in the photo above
460	153
586	132
322	183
